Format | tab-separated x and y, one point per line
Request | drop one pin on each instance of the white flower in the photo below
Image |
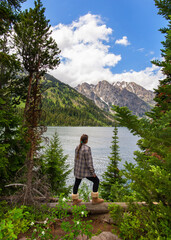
82	213
43	232
35	230
64	199
45	222
78	222
32	223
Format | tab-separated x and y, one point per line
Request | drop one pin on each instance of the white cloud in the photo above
148	78
86	56
140	50
84	50
123	41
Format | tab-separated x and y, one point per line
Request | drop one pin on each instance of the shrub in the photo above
141	222
14	222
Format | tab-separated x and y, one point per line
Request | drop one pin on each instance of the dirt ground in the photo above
99	224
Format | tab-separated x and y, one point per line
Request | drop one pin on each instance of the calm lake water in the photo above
100	139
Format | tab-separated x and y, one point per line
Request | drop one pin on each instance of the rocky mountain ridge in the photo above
142	93
135	97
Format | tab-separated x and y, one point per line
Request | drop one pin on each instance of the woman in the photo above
83	168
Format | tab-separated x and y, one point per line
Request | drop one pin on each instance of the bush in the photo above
14	222
84	192
141	222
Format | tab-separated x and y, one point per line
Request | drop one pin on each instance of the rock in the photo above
106	236
82	237
106	218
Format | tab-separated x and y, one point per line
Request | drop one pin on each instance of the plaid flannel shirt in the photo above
83	165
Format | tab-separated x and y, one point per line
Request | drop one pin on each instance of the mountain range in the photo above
64	106
104	94
88	104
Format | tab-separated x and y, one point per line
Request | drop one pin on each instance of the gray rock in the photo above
106	236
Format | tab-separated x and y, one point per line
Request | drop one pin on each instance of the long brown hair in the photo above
83	139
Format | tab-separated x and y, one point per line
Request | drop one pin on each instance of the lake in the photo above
100	139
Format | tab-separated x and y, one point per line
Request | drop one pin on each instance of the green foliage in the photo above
163	92
116	213
73	228
14	222
84	192
49	215
138	222
164	8
12	144
77	227
8	11
13	152
38	220
54	165
150	177
113	183
120	192
34	43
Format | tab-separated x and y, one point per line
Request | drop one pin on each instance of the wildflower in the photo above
35	230
78	222
43	232
82	213
45	222
64	199
32	223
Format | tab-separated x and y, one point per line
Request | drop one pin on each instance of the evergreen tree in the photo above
35	45
12	146
163	92
112	180
38	52
54	165
151	176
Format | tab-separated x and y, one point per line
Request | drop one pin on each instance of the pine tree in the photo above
54	165
38	52
112	177
151	177
163	92
12	146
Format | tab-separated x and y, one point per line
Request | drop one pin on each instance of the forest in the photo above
32	175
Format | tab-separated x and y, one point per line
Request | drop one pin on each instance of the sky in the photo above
113	40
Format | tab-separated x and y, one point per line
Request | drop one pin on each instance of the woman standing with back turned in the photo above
83	168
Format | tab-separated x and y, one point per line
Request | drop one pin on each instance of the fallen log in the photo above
98	208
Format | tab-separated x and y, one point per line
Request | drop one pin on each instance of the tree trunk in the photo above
31	116
28	198
28	96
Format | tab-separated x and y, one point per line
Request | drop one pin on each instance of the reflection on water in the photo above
100	139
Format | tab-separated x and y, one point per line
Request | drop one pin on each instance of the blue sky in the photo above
112	40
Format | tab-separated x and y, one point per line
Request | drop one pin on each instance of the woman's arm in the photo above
89	161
